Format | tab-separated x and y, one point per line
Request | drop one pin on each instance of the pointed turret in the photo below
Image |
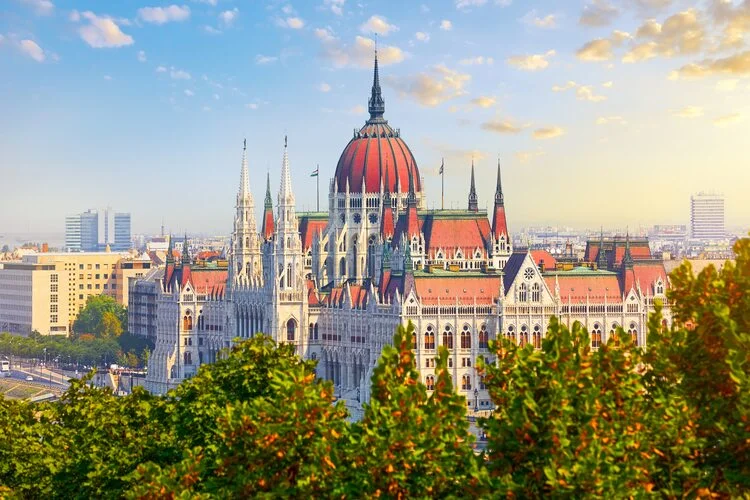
627	259
245	251
601	258
408	263
185	252
412	221
286	196
376	104
499	222
473	200
170	252
244	190
268	227
386	218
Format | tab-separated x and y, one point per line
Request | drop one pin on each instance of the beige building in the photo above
45	291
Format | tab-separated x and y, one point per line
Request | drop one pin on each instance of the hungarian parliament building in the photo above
336	284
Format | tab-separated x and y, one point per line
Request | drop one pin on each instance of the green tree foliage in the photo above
409	443
99	315
704	361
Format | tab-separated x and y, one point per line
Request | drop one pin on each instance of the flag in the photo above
442	167
314	173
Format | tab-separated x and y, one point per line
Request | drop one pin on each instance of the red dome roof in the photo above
377	154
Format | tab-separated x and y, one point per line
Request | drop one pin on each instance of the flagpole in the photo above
442	182
317	186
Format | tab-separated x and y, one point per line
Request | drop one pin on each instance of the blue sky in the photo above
603	112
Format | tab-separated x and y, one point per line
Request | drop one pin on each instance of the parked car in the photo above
29	378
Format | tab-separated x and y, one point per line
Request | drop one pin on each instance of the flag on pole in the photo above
314	173
442	167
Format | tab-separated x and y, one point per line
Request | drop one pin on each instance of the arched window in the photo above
289	275
482	385
511	335
448	336
537	337
429	381
414	340
465	383
524	339
614	328
536	293
523	293
311	332
316	331
187	321
188	358
466	338
633	332
342	266
429	338
596	336
484	337
291	330
247	242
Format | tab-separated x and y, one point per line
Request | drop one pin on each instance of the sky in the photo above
602	112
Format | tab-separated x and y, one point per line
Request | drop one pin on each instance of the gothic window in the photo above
659	287
524	336
482	385
310	333
633	332
448	337
466	338
528	274
511	333
429	338
484	337
536	293
188	358
429	381
613	329
523	293
289	275
357	218
342	266
537	337
247	242
596	336
465	383
373	218
291	329
187	321
316	331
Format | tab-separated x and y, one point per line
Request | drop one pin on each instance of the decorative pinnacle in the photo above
499	198
376	104
473	200
268	204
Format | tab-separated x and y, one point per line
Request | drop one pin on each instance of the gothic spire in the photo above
170	253
376	104
601	259
286	197
268	203
185	252
412	196
627	259
499	198
473	201
244	177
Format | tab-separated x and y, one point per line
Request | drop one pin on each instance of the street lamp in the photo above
476	399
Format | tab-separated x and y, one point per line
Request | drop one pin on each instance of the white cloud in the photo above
211	30
586	93
74	16
41	7
431	89
32	49
466	4
422	37
189	93
103	32
727	85
502	126
161	69
688	112
608	85
484	101
446	25
358	54
141	56
216	97
324	87
228	17
336	6
532	19
251	105
178	74
161	15
107	77
356	110
209	2
598	13
562	88
596	50
476	61
379	25
294	23
206	108
606	120
261	59
531	62
729	119
548	132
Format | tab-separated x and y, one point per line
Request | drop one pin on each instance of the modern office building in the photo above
122	232
707	217
45	291
82	232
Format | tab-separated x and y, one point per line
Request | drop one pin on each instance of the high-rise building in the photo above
82	232
122	232
707	217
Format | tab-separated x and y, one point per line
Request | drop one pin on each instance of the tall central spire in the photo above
376	104
244	176
499	198
286	197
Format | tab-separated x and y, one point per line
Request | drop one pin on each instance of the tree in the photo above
109	326
90	319
704	361
409	443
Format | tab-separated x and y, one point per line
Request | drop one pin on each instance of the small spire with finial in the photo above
473	199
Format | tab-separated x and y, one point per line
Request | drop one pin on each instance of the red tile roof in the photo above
543	256
499	222
646	274
308	228
451	233
576	288
267	229
484	289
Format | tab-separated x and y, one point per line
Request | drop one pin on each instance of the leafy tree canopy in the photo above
102	316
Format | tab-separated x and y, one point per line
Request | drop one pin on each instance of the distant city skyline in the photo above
603	113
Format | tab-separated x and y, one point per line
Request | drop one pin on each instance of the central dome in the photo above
377	155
